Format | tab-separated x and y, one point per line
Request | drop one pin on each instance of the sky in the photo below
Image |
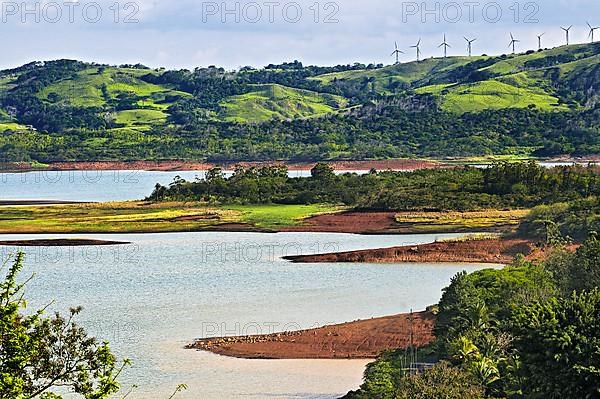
232	34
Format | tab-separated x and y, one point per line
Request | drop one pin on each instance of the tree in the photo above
322	172
379	380
579	271
39	354
559	342
441	381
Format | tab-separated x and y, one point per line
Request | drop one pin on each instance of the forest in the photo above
385	133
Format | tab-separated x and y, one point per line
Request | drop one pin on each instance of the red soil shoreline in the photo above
76	242
493	251
349	222
392	164
179	165
364	339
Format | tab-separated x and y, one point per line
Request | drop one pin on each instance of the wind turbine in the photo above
567	30
418	47
540	40
397	53
470	45
592	29
446	45
513	42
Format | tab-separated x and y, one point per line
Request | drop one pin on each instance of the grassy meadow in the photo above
141	217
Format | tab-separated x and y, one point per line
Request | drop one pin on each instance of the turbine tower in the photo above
540	40
470	45
567	30
513	42
418	47
446	45
592	29
397	53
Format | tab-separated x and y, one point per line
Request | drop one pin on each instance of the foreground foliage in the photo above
526	331
41	356
558	344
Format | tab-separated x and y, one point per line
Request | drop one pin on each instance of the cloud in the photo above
189	33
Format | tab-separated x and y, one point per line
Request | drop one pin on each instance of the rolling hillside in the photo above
71	110
274	101
464	84
413	73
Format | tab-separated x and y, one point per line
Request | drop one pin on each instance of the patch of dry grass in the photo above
462	221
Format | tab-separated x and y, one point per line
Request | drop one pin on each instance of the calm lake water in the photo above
152	297
92	185
161	292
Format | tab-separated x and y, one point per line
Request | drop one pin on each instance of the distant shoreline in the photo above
191	166
38	202
75	242
183	166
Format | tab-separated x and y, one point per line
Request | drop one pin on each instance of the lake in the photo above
151	298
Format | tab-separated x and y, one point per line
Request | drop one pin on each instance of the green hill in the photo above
467	106
273	101
106	87
490	94
463	84
412	73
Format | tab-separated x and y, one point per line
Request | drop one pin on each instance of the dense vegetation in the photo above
542	104
505	185
39	355
572	219
527	331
